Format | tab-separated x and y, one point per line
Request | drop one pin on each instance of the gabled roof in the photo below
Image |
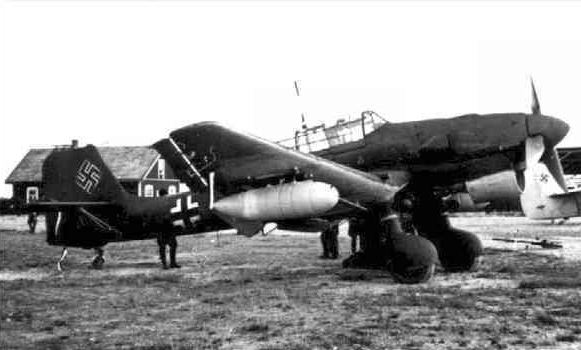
30	167
130	162
126	163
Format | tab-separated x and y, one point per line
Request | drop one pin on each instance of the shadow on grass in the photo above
360	275
551	282
137	265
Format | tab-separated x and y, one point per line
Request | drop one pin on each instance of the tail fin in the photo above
540	181
543	197
79	175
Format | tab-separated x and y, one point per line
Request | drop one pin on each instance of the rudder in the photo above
79	175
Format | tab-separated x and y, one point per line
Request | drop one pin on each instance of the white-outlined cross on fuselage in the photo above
189	204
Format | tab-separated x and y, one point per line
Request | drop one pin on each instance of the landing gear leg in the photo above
98	260
62	259
372	253
458	250
409	258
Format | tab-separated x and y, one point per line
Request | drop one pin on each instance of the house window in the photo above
31	194
171	190
161	169
148	190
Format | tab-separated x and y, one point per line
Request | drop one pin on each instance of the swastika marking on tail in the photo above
88	176
544	178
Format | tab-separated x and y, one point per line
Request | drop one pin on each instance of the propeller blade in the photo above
543	165
535	106
551	159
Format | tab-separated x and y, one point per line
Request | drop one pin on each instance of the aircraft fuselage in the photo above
448	150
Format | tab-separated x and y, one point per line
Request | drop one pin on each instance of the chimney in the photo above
75	144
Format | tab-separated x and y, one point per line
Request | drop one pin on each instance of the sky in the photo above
130	72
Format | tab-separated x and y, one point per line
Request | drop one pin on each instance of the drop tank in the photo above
286	201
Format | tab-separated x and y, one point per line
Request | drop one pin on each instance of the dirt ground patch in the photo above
274	293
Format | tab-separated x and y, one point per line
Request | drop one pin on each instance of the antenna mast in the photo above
303	121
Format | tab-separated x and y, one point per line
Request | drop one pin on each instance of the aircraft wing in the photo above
242	161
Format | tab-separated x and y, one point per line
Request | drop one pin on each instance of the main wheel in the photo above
413	259
98	262
413	274
458	250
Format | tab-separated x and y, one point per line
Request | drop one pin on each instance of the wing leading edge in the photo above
242	161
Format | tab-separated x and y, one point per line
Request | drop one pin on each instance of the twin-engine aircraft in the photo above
243	181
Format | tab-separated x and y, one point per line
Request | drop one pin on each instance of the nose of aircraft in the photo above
552	129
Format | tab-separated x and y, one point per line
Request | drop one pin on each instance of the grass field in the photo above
274	293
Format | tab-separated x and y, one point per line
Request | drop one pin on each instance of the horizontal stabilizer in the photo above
44	207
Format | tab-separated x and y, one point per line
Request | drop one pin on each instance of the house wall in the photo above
152	179
158	185
19	190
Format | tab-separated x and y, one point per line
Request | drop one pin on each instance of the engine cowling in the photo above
503	185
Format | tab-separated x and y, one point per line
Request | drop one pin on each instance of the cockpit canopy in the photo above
320	137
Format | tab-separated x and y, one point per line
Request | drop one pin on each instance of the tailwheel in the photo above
97	263
99	259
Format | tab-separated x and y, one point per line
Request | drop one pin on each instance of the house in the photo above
139	169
